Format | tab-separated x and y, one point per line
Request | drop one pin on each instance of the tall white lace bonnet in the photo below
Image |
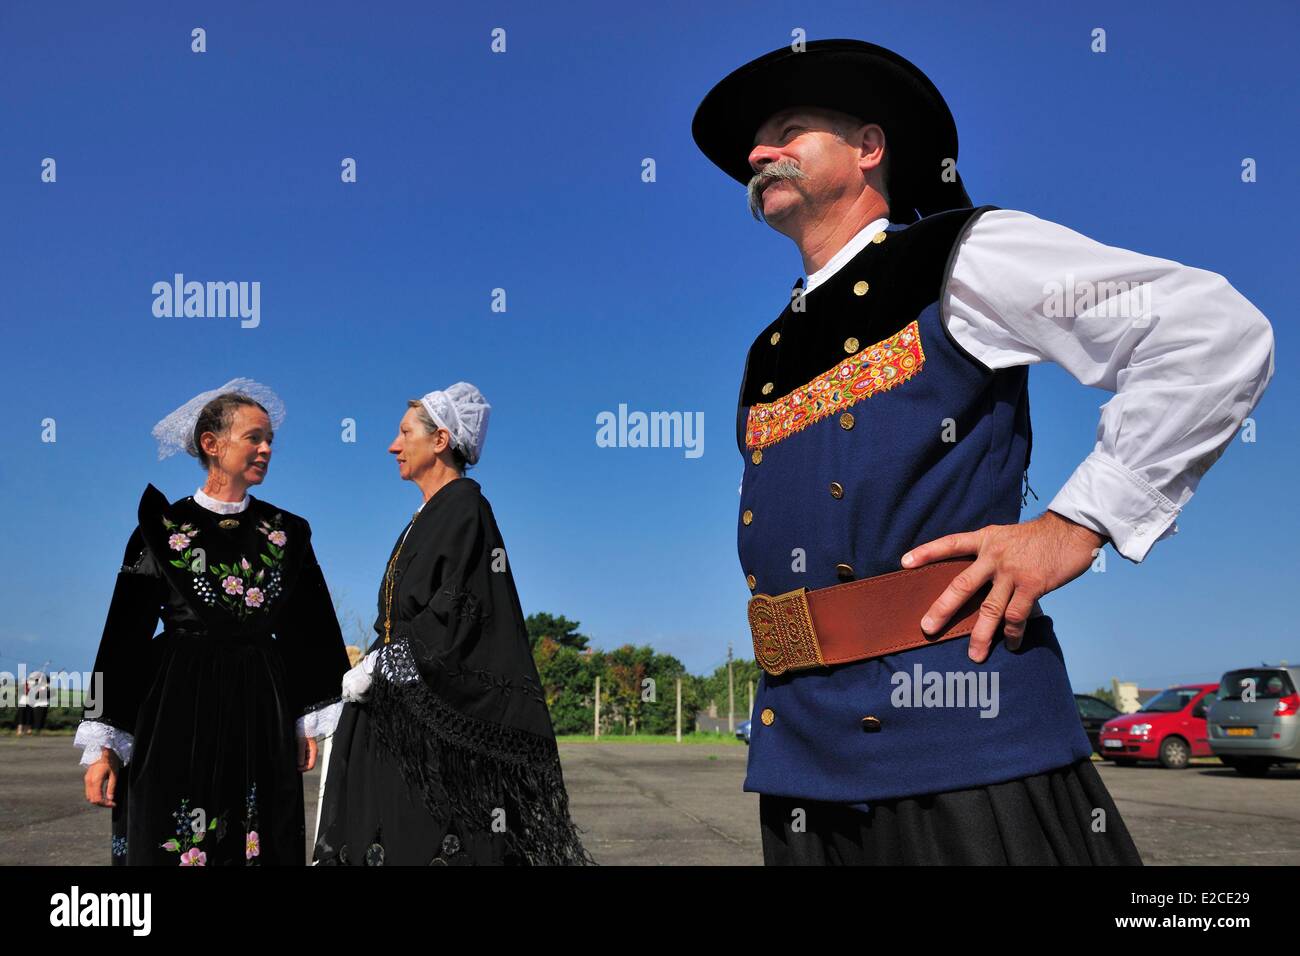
464	412
176	431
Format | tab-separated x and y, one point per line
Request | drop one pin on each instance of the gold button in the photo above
747	517
845	571
860	287
837	490
767	389
879	237
846	421
871	724
751	581
767	716
776	337
850	345
757	457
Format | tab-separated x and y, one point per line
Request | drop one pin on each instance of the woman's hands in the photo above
306	753
101	778
356	682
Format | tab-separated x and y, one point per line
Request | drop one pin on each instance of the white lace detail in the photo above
396	664
320	722
176	431
204	500
95	735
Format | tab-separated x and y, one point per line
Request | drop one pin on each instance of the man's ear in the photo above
873	144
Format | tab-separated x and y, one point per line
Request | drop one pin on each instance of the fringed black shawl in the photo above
472	735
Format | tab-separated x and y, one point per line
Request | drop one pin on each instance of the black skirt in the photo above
1064	817
213	778
372	816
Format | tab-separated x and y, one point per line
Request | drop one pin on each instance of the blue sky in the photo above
522	171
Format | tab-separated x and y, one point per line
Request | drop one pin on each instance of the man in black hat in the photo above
915	705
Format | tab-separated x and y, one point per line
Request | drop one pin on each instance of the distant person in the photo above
39	700
24	724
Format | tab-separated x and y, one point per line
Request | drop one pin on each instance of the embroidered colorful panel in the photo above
876	368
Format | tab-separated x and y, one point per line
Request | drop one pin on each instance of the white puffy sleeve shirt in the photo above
1186	355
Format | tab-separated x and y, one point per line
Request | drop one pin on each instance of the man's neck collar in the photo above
845	253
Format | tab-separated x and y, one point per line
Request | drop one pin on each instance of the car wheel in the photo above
1251	766
1174	753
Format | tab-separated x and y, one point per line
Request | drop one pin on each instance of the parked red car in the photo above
1170	728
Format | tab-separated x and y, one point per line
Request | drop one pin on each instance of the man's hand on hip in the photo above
1024	561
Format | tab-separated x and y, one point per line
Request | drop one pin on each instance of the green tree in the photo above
559	629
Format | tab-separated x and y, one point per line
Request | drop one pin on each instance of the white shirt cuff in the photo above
320	722
1108	498
94	736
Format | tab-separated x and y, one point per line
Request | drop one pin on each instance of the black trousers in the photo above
1064	817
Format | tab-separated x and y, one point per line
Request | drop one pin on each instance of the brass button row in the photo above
843	571
870	724
846	422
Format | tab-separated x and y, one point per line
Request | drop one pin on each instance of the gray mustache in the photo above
782	169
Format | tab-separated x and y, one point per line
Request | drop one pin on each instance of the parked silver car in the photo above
1255	722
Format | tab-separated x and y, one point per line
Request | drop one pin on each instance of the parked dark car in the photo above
1094	712
1170	728
742	732
1255	722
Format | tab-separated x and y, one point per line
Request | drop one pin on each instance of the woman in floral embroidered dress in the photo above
197	738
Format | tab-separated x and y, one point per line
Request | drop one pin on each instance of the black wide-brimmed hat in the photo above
854	77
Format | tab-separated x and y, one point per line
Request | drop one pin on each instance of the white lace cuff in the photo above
320	722
95	735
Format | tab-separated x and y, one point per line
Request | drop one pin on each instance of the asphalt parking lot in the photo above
663	804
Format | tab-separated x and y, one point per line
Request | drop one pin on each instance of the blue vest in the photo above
867	430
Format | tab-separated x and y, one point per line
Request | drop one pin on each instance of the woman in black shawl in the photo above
445	753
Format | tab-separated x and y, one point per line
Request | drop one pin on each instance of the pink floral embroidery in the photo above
194	857
233	585
179	542
254	597
253	846
876	368
277	538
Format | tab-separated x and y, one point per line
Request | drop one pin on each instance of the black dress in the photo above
451	758
250	644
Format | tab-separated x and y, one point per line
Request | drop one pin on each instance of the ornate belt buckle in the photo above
782	628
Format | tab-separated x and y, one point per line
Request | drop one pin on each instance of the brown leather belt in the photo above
858	620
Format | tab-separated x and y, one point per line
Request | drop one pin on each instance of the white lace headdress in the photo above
176	431
463	411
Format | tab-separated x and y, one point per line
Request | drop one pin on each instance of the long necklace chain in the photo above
388	579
